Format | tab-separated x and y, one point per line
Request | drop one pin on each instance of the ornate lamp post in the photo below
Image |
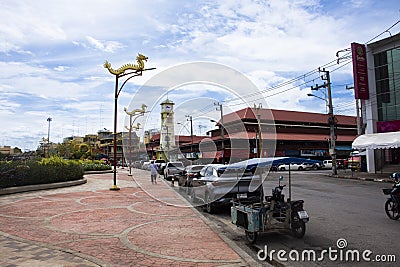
137	113
130	71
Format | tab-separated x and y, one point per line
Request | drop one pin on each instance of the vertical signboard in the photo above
360	73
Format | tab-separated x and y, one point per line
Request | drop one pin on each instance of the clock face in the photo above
167	108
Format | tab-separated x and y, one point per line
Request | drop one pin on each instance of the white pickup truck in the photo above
172	168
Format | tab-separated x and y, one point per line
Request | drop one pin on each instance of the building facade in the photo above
283	133
381	110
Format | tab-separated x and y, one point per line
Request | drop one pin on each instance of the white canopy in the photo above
377	141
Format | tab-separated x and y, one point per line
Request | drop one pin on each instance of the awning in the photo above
377	141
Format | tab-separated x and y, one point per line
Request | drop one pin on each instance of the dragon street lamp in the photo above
138	113
130	71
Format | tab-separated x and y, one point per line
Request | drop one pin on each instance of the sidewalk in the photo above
364	176
142	224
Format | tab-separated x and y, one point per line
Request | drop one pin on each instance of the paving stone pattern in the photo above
143	224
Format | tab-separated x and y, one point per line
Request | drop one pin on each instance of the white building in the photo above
381	110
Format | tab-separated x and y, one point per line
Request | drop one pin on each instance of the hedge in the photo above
47	170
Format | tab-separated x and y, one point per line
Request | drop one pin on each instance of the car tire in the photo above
208	207
300	168
193	197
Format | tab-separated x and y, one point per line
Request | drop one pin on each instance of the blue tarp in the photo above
263	162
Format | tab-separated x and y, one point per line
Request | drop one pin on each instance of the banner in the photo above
360	73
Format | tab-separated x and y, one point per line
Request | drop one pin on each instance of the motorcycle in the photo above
298	216
273	213
392	208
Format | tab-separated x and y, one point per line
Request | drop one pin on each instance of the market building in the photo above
283	133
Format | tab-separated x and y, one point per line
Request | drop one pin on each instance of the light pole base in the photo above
115	188
129	174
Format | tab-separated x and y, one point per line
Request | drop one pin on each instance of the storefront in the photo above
381	106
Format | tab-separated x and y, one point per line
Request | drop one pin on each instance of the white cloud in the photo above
53	51
106	46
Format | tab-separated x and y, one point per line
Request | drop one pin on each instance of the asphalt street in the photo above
345	209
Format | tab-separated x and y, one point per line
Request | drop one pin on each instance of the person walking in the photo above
153	172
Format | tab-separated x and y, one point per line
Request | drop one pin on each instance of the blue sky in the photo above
52	55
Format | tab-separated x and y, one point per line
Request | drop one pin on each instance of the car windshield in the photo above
196	168
176	164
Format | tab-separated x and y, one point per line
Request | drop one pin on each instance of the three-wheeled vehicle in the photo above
272	212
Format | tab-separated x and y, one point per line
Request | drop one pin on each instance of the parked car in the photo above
190	172
294	166
218	185
146	164
327	164
173	168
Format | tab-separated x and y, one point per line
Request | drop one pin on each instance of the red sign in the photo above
388	126
360	73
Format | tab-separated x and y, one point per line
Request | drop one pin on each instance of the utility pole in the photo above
189	118
332	149
357	111
222	130
259	148
48	138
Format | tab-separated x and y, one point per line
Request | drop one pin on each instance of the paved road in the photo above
338	208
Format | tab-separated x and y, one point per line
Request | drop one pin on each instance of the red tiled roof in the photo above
287	116
287	136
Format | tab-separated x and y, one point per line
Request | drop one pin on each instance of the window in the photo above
387	81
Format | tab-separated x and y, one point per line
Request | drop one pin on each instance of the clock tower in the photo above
167	137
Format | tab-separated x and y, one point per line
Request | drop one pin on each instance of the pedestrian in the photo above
153	172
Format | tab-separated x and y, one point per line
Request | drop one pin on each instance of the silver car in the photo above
218	185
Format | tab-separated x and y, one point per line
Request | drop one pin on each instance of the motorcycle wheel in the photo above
391	211
298	227
251	237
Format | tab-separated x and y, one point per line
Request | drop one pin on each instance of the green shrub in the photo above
95	165
47	170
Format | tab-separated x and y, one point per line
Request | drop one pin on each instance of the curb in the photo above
99	172
27	188
378	180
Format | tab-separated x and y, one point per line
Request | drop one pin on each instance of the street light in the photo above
48	138
326	101
138	113
135	70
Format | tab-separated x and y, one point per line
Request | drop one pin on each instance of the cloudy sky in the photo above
52	55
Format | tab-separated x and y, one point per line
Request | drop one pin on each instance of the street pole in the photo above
133	71
259	150
357	112
331	120
190	118
222	131
115	187
48	138
131	114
